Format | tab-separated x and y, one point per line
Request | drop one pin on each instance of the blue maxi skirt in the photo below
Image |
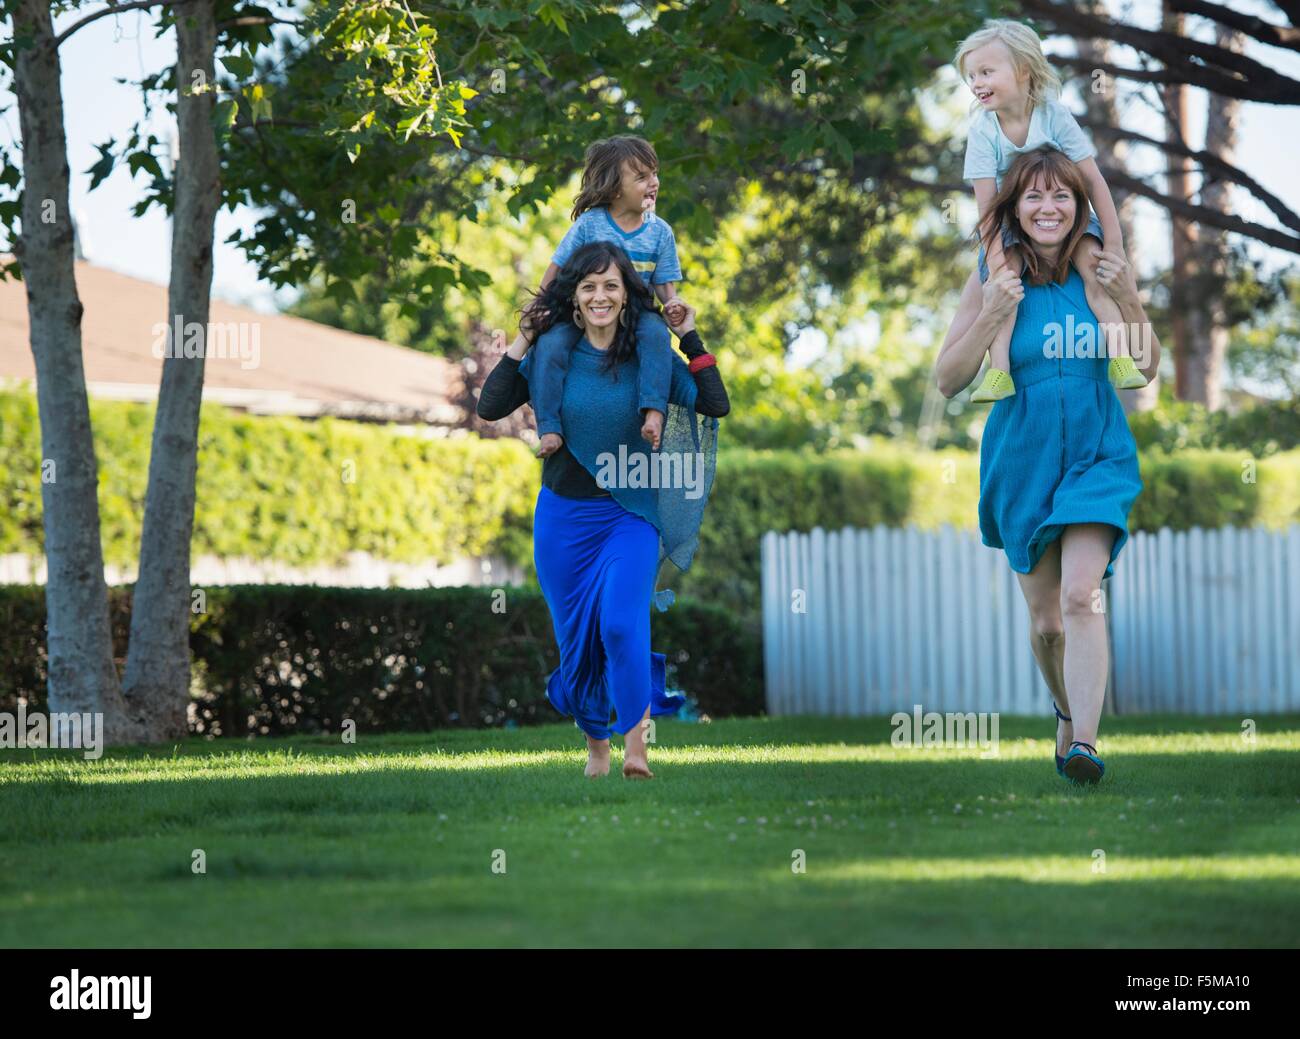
596	563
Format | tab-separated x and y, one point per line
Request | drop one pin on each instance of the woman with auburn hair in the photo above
1058	464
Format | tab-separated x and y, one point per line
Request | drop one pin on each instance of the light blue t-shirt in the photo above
651	247
990	154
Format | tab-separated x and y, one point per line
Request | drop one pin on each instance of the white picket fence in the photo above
863	622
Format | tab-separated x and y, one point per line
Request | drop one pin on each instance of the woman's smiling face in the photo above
600	297
1046	212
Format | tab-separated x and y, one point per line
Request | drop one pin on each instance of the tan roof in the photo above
289	365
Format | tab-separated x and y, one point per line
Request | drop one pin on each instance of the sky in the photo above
123	46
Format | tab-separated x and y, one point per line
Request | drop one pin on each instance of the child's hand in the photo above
653	427
680	315
551	442
675	311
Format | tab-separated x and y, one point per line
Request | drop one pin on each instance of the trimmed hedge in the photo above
278	660
287	489
1263	428
274	488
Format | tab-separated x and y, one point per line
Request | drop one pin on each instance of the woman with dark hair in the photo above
610	509
1058	464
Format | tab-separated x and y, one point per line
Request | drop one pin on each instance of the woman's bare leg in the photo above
1042	590
597	758
635	765
1085	551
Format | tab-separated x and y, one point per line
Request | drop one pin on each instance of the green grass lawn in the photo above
391	841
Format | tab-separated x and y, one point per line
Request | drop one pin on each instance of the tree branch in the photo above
1191	74
1266	32
113	8
1235	75
1203	215
1211	165
1290	8
256	19
1159	76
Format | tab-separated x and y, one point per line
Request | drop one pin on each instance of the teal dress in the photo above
1059	450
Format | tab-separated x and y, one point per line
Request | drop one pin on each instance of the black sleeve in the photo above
711	397
503	391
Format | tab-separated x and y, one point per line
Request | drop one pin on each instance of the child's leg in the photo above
1000	350
654	347
1103	306
551	363
997	382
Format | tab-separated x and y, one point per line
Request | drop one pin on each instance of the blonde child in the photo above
1016	111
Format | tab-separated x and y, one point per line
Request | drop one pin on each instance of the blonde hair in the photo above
602	170
1026	55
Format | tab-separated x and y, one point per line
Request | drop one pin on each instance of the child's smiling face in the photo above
993	77
639	187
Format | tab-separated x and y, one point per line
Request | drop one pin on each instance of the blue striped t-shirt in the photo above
651	247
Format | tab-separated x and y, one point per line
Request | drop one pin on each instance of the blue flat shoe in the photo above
1081	766
1060	761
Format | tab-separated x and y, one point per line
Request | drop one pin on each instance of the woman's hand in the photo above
1003	293
527	321
1115	274
517	349
981	311
674	311
687	322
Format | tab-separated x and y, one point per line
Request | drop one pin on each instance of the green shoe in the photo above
996	385
1082	767
1124	374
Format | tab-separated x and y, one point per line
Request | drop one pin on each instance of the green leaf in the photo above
258	101
101	169
551	15
341	291
223	115
146	161
238	65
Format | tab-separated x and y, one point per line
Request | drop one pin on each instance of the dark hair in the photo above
555	303
602	169
1055	169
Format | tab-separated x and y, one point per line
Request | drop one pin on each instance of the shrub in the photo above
277	660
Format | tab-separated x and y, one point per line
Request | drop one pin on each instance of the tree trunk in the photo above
157	679
82	674
1182	275
1099	100
1207	323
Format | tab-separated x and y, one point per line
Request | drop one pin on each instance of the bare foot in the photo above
653	428
597	758
636	767
551	442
